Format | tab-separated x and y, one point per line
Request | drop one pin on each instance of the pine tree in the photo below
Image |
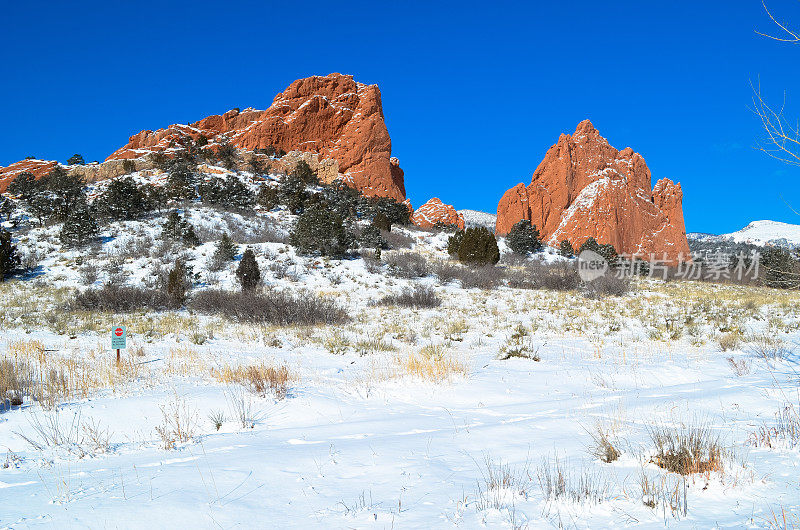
267	196
371	238
478	247
7	207
319	230
79	227
123	199
9	258
779	269
524	238
256	166
181	181
248	273
226	249
63	193
454	243
24	185
607	251
292	193
565	249
227	154
75	160
178	284
304	172
381	222
177	228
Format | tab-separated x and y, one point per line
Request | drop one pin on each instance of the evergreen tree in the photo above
397	212
227	154
267	196
524	238
7	207
128	166
607	251
178	284
178	229
292	193
341	198
304	172
454	243
230	192
371	238
181	181
9	257
256	166
79	227
75	160
319	230
123	199
24	186
478	247
226	249
247	273
201	141
565	249
62	193
381	222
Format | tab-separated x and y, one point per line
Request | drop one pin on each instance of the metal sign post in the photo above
118	339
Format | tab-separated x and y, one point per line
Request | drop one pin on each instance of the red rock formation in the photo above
332	115
32	165
433	212
585	188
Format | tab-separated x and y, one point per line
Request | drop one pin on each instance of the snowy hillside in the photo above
477	218
759	233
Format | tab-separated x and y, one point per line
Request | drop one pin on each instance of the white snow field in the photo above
482	413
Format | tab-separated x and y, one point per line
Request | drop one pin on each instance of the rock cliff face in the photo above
585	188
333	116
32	165
433	212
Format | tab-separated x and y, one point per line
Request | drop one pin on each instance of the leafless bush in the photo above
607	285
498	480
418	297
259	230
89	273
685	450
445	270
273	307
49	431
135	246
259	378
769	347
397	240
119	299
486	277
406	264
557	276
371	260
242	406
740	367
115	272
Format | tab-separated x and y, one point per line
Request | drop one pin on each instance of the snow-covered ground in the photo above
759	233
402	418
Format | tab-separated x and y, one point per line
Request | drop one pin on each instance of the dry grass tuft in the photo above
258	378
687	450
432	363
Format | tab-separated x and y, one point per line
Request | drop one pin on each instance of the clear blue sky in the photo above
474	94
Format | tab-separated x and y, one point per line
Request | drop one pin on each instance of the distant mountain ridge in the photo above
761	233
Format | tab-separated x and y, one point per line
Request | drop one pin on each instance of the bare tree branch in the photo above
782	138
790	36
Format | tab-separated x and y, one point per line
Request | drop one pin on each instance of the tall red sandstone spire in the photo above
585	188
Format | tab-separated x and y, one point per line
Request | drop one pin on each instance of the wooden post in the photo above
117	355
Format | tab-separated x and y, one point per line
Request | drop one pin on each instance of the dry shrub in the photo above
730	340
258	378
602	446
686	450
272	307
397	240
178	424
557	276
418	297
406	264
431	363
560	483
120	299
740	367
486	277
607	285
769	347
